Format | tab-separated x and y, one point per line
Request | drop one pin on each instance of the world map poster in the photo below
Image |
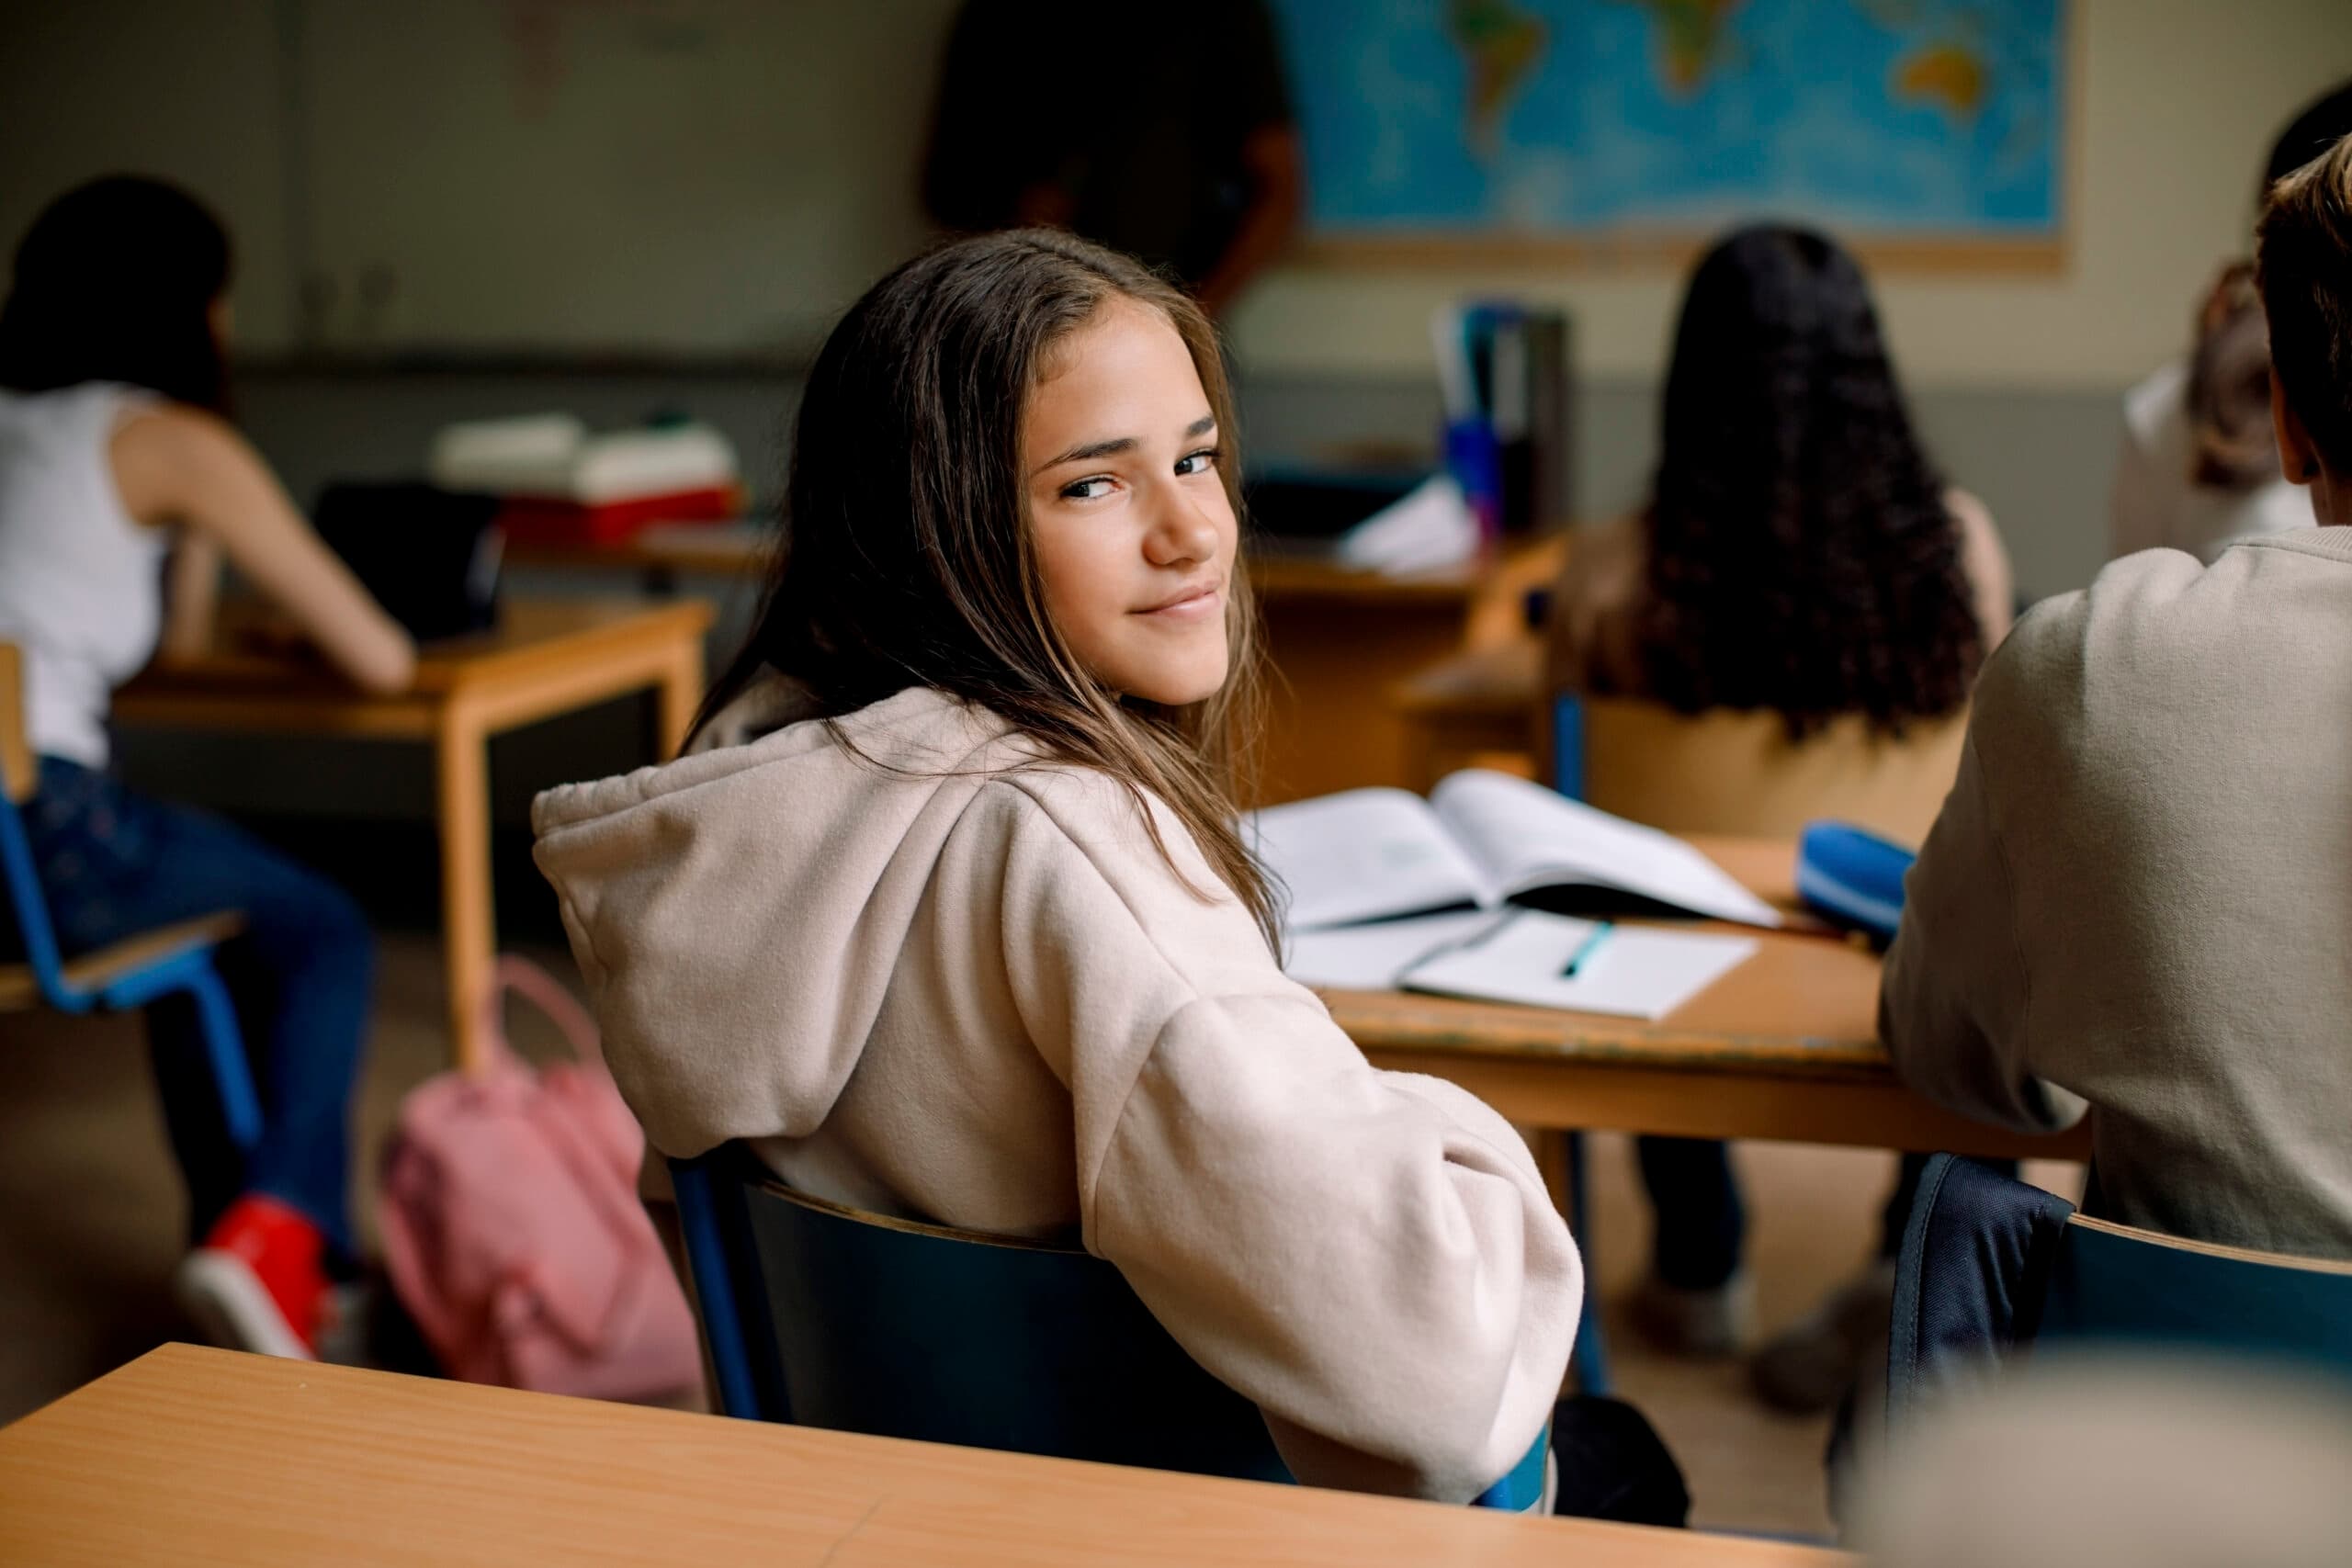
1934	121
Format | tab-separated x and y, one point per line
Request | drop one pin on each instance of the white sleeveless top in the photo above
80	581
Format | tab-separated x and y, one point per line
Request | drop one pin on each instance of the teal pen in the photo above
1586	948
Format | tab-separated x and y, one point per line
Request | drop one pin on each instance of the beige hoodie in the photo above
970	990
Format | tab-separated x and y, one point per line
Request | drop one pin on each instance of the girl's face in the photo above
1133	532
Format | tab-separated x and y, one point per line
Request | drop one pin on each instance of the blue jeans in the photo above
1701	1226
114	864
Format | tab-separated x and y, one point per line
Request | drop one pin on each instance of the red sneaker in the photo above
255	1283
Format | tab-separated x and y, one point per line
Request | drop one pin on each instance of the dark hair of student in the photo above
2229	362
2303	256
907	559
1801	555
2228	397
114	282
2320	124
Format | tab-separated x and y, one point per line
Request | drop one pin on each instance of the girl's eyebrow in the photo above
1112	448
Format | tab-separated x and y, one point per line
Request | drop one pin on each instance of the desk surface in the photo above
203	1456
1784	1046
531	635
1502	679
1807	1000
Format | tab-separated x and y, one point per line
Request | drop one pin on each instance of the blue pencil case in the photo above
1853	877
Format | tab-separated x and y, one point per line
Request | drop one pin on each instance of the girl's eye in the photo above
1084	489
1199	462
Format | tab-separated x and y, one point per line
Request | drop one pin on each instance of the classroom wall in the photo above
334	134
2178	102
528	174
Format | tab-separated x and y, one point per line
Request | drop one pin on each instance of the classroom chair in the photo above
1734	772
826	1317
1991	1267
127	973
1737	771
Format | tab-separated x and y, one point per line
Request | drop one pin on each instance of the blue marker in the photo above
1587	948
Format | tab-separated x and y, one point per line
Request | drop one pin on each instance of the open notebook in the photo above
1387	889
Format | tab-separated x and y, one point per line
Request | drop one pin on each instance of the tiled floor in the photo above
90	1228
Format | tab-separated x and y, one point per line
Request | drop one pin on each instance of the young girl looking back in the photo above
968	933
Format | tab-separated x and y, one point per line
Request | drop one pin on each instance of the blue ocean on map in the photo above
1437	117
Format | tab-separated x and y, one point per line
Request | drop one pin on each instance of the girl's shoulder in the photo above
1984	562
88	411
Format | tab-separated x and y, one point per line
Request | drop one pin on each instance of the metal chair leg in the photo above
713	1275
224	1046
1592	1355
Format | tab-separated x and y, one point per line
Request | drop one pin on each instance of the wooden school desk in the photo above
1785	1047
208	1456
1470	706
1337	639
544	659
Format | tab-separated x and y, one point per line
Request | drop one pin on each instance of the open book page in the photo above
1631	971
1360	855
1524	837
1370	957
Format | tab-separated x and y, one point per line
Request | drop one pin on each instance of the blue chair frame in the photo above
1991	1268
1213	1430
183	967
1592	1360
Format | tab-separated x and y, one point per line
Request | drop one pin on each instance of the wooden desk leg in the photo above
469	934
679	691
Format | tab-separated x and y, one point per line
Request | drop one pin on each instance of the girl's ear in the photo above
2298	458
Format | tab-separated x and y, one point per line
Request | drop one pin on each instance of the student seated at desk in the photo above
2198	470
1799	554
950	917
114	451
2137	897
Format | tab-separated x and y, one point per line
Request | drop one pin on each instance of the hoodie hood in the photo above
738	913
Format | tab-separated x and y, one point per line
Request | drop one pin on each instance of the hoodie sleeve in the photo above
1370	1257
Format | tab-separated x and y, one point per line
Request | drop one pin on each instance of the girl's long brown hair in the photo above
907	556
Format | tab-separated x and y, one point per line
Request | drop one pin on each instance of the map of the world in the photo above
1580	117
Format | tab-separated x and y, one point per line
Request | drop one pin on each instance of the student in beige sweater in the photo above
2137	900
950	917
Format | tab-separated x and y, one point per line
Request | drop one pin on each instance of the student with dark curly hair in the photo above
1799	553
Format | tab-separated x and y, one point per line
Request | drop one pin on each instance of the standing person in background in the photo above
1186	158
2198	470
114	448
1799	554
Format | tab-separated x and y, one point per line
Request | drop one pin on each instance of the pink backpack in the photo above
513	1229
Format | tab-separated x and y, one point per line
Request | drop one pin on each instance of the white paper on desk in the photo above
1427	529
1372	957
1637	972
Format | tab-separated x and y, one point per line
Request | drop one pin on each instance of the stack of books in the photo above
560	484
